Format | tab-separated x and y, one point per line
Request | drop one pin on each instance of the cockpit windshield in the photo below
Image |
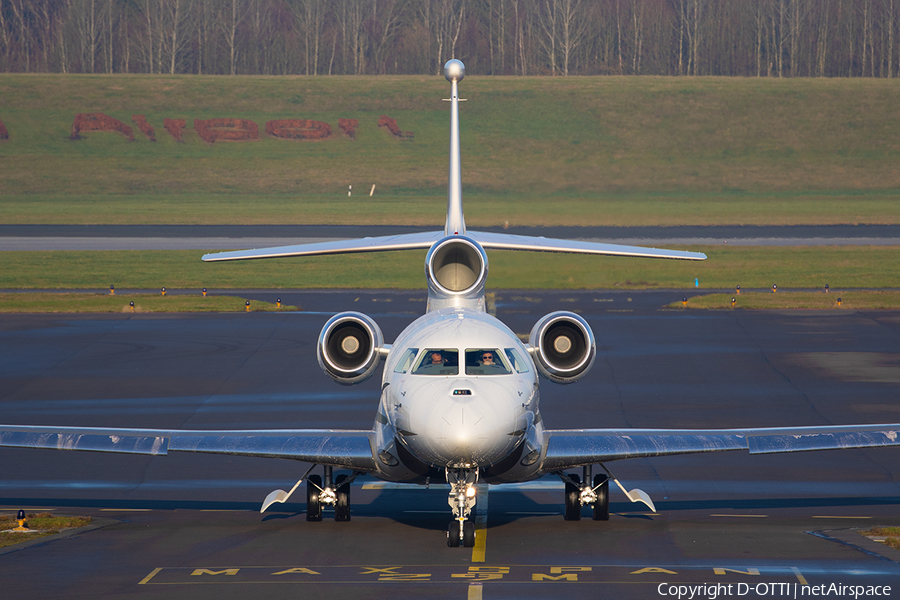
486	361
438	361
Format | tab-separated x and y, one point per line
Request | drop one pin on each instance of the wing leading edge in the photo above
424	240
339	448
567	448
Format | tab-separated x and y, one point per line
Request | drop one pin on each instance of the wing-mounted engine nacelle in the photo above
563	347
456	267
350	347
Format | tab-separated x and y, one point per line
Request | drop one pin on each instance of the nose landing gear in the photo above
461	531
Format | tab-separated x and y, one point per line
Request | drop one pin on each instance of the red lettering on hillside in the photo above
174	127
99	122
224	129
144	126
298	129
348	126
230	130
391	125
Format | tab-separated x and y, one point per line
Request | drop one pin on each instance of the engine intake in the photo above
456	266
349	347
563	346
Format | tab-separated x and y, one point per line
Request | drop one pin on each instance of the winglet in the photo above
454	71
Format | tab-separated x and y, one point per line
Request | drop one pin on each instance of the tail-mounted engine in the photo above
563	347
350	347
456	268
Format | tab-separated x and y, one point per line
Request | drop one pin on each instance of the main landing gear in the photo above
332	492
461	531
580	494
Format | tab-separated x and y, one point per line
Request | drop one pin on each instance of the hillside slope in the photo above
568	151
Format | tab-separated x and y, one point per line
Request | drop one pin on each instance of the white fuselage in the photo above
457	412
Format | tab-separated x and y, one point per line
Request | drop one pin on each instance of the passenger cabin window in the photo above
486	361
438	361
406	361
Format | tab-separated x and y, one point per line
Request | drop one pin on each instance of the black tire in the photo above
313	506
573	497
601	506
453	534
469	534
342	506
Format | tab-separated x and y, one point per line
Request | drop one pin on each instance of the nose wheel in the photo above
461	531
464	537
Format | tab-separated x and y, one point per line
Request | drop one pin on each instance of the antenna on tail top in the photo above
454	71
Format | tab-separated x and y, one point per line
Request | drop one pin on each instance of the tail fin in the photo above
454	71
455	225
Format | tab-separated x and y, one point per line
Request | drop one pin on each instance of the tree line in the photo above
768	38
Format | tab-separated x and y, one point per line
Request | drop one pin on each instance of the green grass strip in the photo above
891	535
120	303
41	524
841	267
855	299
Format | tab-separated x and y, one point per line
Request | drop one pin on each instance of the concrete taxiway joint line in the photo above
478	552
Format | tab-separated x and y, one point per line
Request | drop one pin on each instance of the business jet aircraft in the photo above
459	394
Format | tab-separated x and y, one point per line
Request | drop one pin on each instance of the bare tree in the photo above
230	20
637	15
548	18
308	15
573	26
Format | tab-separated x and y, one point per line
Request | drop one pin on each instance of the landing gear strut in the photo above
580	493
462	500
333	493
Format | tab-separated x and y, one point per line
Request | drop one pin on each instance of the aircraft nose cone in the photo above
459	428
463	433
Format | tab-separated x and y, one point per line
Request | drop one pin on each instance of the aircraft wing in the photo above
506	241
567	448
350	449
405	241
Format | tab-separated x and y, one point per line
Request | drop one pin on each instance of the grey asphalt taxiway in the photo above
188	525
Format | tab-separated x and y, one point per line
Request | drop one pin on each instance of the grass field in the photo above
835	299
810	267
121	303
536	151
41	524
